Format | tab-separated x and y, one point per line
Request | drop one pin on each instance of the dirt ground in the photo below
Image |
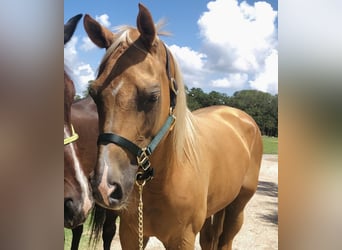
260	228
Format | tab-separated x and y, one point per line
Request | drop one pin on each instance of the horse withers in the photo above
169	173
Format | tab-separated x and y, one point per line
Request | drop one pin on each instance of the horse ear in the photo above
97	33
70	26
146	26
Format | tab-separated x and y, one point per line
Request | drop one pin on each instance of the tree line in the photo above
263	107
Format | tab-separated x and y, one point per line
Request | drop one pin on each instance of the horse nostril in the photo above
68	208
117	193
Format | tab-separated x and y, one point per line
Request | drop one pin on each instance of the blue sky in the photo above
221	45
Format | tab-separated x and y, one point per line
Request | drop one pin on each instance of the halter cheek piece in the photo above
142	154
72	138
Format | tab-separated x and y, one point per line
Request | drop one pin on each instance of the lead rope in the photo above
140	216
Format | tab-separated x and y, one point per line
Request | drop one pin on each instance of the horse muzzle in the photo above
73	213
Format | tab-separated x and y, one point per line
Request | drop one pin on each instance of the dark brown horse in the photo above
205	165
81	152
77	194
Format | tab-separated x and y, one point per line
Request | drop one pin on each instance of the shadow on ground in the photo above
271	218
268	188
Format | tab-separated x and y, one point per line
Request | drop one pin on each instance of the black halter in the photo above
143	154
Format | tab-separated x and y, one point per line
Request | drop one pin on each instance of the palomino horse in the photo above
77	195
205	165
85	120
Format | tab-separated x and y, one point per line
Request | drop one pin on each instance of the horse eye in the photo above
152	98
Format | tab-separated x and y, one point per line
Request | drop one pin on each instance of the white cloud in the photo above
70	51
235	81
221	83
240	39
83	74
239	34
79	71
191	63
103	19
238	48
267	79
188	58
87	44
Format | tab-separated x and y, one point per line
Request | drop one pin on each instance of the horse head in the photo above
135	94
77	195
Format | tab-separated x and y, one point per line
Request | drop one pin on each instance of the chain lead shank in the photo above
140	216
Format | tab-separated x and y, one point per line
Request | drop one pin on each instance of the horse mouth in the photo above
113	204
74	215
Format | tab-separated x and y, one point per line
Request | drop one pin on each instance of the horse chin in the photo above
115	204
112	204
74	222
68	224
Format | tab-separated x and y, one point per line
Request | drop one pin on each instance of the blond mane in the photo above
183	134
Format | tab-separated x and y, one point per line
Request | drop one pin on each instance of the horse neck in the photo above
163	159
85	121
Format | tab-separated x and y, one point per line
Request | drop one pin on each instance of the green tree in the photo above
86	91
196	98
263	107
216	98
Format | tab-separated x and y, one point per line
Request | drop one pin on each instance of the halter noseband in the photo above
143	154
72	138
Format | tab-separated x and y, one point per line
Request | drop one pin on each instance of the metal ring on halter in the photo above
140	183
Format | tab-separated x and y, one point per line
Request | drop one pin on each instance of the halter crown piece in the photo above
142	154
72	138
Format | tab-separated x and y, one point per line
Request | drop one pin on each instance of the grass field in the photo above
84	238
270	145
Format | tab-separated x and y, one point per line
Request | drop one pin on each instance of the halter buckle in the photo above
143	159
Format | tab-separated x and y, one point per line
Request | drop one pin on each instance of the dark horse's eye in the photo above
148	101
152	98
